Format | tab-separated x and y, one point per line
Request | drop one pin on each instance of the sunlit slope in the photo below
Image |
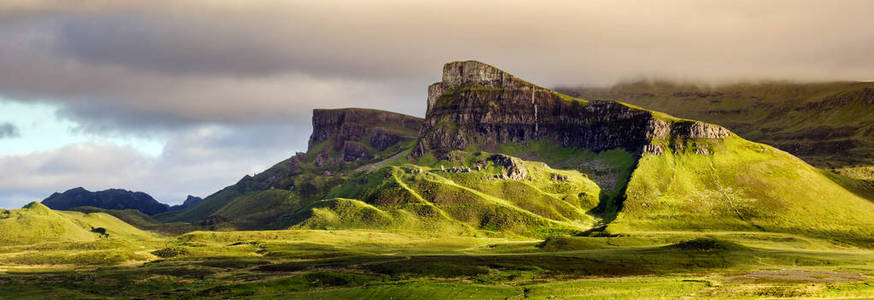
36	223
469	197
740	186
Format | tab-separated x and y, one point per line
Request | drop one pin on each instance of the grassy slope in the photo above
37	223
140	220
37	235
742	186
340	264
426	198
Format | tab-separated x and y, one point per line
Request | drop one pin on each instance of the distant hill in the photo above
108	199
829	124
497	155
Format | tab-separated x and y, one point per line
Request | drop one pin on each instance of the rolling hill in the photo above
36	223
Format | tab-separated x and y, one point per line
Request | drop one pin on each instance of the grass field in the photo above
360	264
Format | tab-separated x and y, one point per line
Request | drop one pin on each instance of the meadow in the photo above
368	264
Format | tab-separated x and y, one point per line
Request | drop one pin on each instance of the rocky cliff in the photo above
358	134
476	104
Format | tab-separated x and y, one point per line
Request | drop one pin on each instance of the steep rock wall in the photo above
479	105
356	134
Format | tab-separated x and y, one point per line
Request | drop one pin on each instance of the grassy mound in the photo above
37	235
37	223
741	186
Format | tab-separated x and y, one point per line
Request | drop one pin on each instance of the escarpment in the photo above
478	105
349	135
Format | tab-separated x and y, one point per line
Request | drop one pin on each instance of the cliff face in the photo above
479	105
358	134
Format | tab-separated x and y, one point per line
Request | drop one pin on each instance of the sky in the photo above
179	97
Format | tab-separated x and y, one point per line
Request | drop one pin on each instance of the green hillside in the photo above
36	223
140	220
37	235
830	124
742	186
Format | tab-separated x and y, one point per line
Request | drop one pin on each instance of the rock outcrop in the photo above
513	168
355	134
479	105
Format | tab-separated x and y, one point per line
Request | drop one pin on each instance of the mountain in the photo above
830	124
496	155
107	199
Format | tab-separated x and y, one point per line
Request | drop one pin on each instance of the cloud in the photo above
8	130
196	161
172	63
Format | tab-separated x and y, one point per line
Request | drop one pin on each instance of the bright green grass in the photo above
741	186
342	264
318	264
37	235
36	223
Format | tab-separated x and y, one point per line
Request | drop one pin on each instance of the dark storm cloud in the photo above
8	130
